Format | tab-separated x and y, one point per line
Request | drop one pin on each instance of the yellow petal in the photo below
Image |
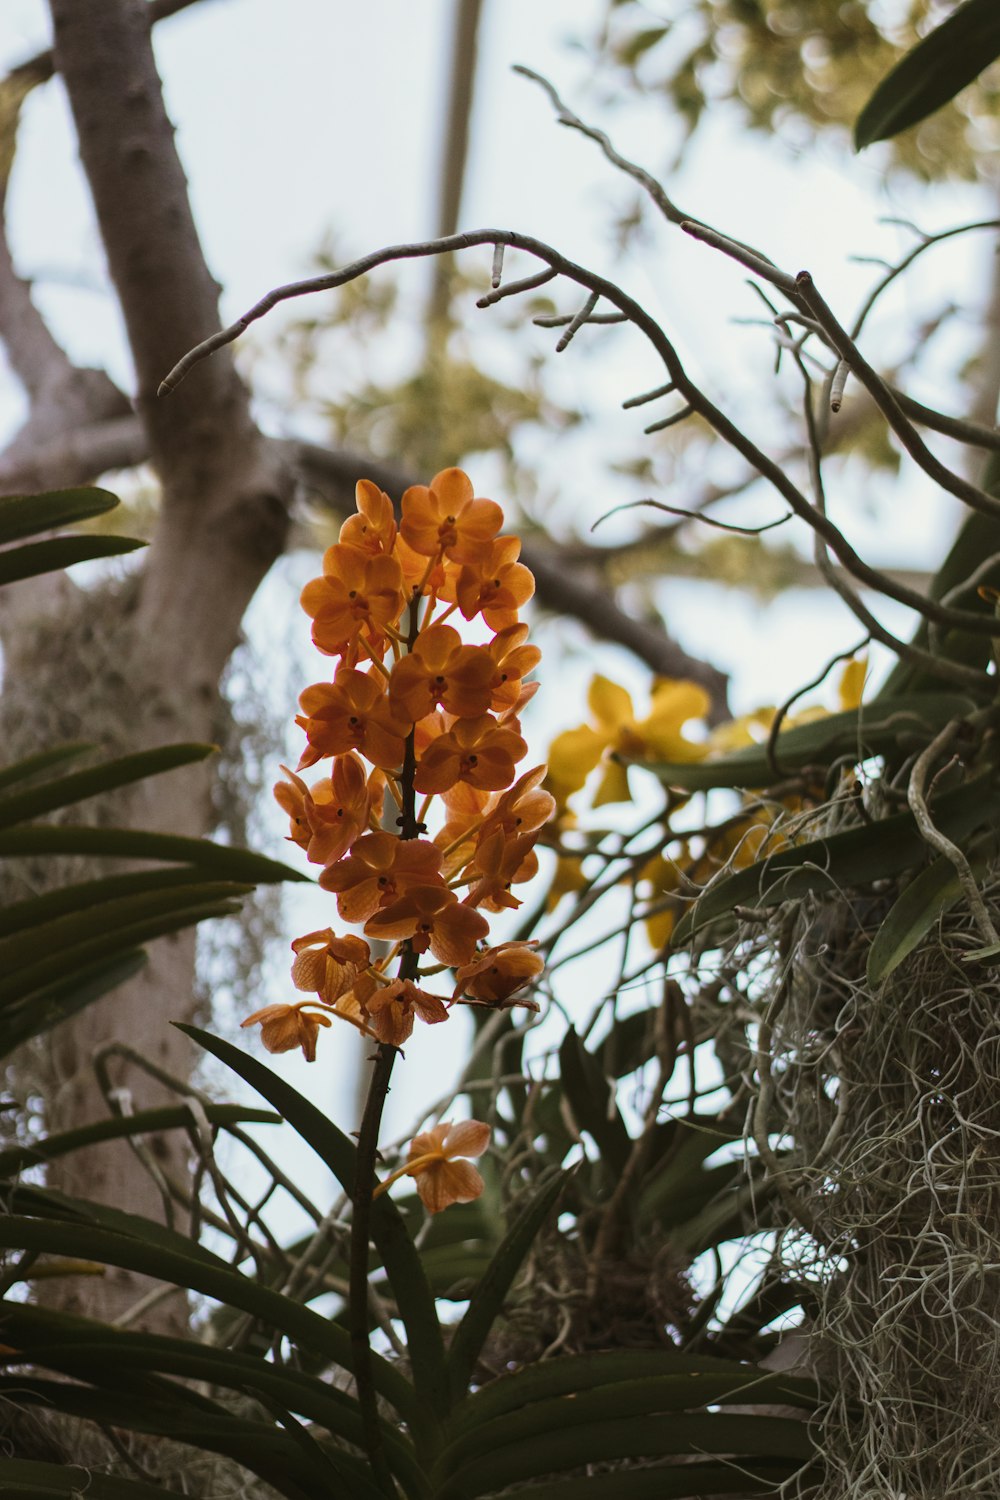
674	703
614	785
609	703
568	877
852	682
573	755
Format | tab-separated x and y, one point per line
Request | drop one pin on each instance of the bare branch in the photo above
931	609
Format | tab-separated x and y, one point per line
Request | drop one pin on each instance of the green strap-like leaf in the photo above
487	1300
37	1013
932	72
709	1477
125	843
873	729
84	1349
403	1267
32	978
857	857
20	806
27	1479
61	552
148	1121
590	1097
29	515
642	1396
604	1370
198	1272
262	1448
88	894
745	1437
35	765
916	910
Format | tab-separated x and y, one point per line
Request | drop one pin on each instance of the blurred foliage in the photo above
795	68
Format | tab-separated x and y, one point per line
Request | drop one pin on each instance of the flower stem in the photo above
365	1179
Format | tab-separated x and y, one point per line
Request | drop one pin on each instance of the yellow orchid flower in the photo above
577	752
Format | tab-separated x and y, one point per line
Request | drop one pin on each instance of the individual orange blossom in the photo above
327	817
379	868
576	752
431	916
357	597
445	518
524	807
495	975
291	798
373	529
500	861
285	1027
442	669
351	713
513	660
327	964
344	809
390	1010
436	1160
495	585
479	751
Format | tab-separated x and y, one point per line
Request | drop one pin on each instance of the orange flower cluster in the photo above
415	717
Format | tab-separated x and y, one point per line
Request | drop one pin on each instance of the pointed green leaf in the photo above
30	1479
73	931
873	729
627	1438
84	1349
591	1099
643	1395
487	1300
61	552
30	515
401	1260
577	1373
19	806
709	1477
199	1271
933	72
126	843
34	978
88	894
262	1448
16	1159
37	1013
857	857
35	765
915	911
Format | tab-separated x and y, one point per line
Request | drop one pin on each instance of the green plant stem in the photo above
378	1089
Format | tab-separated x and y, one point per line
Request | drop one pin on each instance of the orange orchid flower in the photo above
445	518
379	868
327	964
513	660
351	713
392	1007
327	817
479	751
358	595
436	1159
442	669
498	863
285	1027
495	585
431	916
373	529
495	975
